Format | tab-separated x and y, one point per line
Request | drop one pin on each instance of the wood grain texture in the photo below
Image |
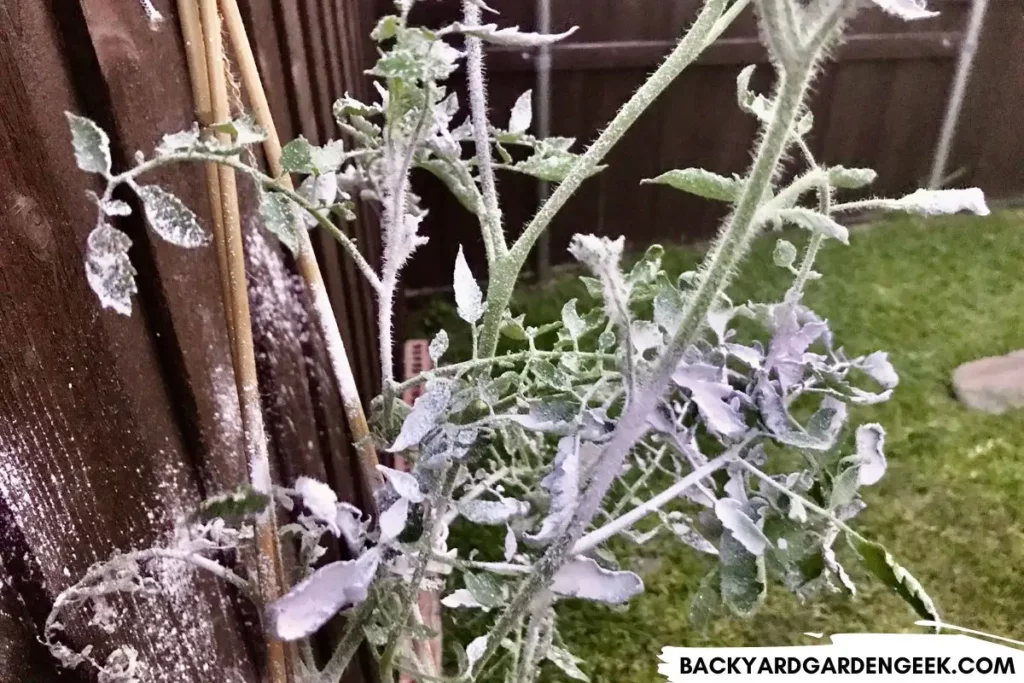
113	428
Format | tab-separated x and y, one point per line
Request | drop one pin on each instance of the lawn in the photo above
934	294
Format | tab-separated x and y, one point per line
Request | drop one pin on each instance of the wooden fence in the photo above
879	104
112	428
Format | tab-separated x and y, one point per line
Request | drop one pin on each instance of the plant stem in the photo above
323	312
268	565
266	182
470	365
715	273
350	642
490	213
438	505
620	524
505	271
808	504
817	239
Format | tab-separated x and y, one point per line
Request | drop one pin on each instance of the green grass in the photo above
934	294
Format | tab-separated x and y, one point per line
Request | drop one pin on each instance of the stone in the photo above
991	385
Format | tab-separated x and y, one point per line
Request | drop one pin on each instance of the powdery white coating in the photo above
941	202
492	512
404	484
468	297
328	590
170	218
426	411
462	598
335	349
563	483
908	10
685	532
475	650
511	36
712	396
392	520
870	455
877	365
584	578
320	499
108	270
522	113
511	544
438	345
730	513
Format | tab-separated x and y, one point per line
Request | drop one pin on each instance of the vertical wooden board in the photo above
911	124
93	459
989	144
191	328
851	138
297	82
264	34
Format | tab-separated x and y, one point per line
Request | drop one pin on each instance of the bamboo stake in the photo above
308	267
192	36
269	569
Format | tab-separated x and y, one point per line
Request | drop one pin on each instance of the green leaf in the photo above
567	662
701	183
91	144
243	131
706	602
281	216
170	218
815	222
844	487
668	307
850	178
234	506
743	576
593	286
513	328
744	96
574	324
467	195
417	56
878	560
108	269
645	271
386	28
299	156
485	590
784	254
181	141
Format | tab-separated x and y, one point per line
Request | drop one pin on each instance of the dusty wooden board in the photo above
112	428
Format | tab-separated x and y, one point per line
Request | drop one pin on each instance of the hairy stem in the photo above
349	644
267	183
715	274
709	25
825	208
626	521
490	213
470	365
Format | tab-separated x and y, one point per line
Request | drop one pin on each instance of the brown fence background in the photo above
879	104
